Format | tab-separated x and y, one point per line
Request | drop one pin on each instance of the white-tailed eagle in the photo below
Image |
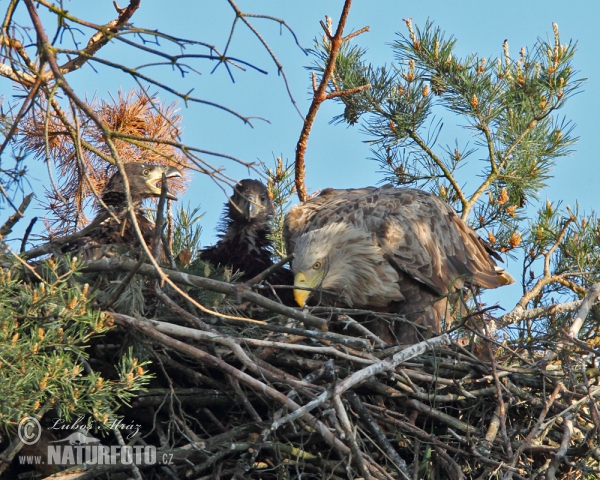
386	249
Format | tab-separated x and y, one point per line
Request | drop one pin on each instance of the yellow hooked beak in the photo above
311	279
301	295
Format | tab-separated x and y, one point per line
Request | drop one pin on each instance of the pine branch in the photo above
319	96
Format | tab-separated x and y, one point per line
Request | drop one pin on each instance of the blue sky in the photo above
337	155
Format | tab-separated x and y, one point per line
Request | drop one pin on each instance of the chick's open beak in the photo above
157	175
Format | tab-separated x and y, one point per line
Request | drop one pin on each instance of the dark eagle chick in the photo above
397	250
244	243
144	182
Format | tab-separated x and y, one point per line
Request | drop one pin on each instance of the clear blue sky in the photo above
337	155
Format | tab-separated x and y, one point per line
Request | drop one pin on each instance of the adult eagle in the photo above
244	244
115	228
386	249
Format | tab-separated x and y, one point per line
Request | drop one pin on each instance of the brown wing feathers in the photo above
432	251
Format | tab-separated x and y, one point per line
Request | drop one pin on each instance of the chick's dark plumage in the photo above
117	229
244	243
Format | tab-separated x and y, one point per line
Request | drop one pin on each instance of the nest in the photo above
295	404
288	397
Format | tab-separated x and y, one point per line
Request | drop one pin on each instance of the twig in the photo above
123	285
126	264
548	276
212	336
244	399
377	433
442	417
160	213
51	246
451	463
219	364
319	96
264	274
362	330
27	233
365	374
164	298
562	451
101	37
536	428
496	169
592	298
388	365
519	313
350	438
491	432
280	69
6	228
500	399
353	342
133	467
392	418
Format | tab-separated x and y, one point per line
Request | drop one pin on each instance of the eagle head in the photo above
346	265
250	202
144	182
309	266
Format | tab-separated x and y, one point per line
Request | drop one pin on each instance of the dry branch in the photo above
125	264
319	96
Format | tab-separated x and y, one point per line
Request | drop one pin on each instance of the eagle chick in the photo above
398	250
244	244
116	229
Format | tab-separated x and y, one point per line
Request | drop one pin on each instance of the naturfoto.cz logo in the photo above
79	449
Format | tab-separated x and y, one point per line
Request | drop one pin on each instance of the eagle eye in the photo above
316	266
145	172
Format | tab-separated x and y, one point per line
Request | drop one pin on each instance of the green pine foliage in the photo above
561	258
45	329
187	231
281	190
509	106
213	300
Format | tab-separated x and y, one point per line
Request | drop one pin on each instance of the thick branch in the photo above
125	264
320	95
366	373
15	217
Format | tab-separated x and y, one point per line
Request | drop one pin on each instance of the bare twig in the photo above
6	228
367	373
561	453
377	433
261	276
215	362
320	95
126	264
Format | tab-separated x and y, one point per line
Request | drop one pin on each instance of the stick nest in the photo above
229	397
